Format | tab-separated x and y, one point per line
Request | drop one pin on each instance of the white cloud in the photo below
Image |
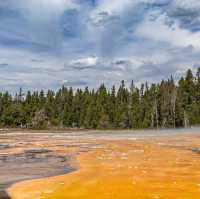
117	6
186	4
158	30
114	6
130	39
88	61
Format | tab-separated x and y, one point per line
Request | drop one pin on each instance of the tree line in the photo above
162	105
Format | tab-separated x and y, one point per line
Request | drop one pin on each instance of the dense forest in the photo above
167	104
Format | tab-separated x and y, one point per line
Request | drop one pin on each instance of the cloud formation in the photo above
47	43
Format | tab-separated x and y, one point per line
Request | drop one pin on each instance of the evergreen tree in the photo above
163	105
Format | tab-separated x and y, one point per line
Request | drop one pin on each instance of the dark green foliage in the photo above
162	105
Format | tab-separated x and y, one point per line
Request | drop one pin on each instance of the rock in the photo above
4	146
196	150
37	151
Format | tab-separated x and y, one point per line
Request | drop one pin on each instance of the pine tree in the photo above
166	104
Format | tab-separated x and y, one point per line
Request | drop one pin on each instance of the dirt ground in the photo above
122	165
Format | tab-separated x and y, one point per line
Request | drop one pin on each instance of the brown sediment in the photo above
153	168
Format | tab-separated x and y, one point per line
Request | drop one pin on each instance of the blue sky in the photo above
48	43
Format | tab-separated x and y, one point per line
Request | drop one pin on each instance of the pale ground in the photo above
121	165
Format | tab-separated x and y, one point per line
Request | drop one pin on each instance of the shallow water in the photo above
30	155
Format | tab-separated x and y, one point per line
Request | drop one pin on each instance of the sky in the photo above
49	43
